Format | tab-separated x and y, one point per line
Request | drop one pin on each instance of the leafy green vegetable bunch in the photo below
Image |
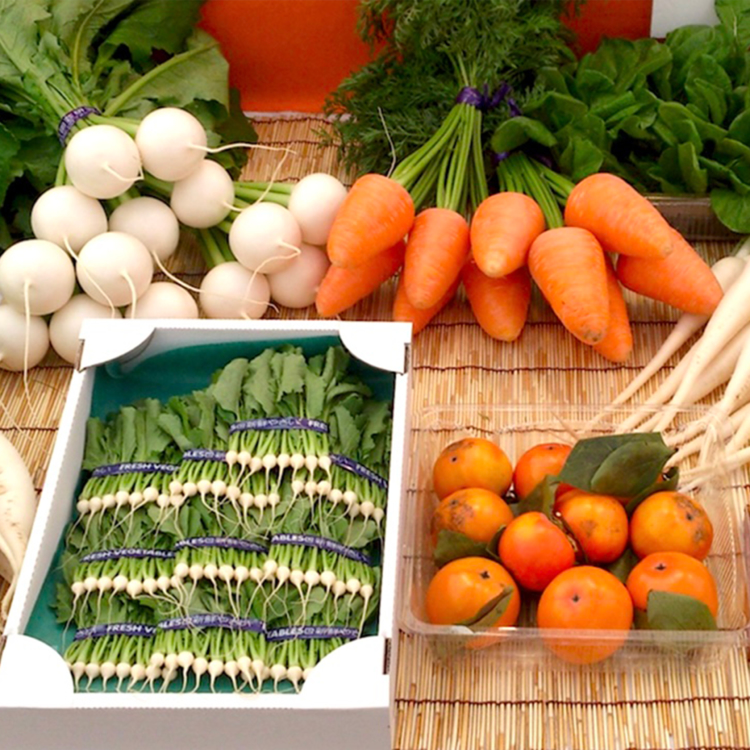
122	58
428	51
671	117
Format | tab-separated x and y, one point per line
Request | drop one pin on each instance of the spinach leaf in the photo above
732	209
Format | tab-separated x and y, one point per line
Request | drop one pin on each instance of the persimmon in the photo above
459	590
472	462
534	550
539	461
585	598
676	573
598	523
671	521
475	512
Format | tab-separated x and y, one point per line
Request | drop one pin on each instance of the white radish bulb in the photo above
39	273
102	161
13	340
67	217
265	237
296	285
204	198
172	143
314	202
163	299
229	290
108	264
150	220
65	324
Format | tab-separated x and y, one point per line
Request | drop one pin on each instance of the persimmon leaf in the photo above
491	612
452	545
669	611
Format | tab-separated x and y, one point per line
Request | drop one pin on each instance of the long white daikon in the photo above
727	270
17	509
729	318
716	372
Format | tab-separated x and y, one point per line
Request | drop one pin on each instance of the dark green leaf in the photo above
668	481
622	566
541	499
558	110
732	209
694	177
630	468
516	131
228	387
491	612
735	15
588	455
669	611
452	545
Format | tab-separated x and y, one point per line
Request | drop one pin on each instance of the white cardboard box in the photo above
346	703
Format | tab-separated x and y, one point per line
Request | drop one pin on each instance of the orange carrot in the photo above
502	230
499	305
568	266
617	343
404	311
343	287
437	248
375	215
682	280
619	217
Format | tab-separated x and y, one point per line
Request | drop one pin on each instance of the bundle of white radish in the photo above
24	341
65	324
17	509
720	357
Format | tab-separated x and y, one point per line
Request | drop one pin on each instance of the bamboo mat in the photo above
484	704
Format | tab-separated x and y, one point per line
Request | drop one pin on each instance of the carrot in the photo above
499	305
682	279
502	230
436	250
404	311
568	266
619	217
376	213
343	287
617	344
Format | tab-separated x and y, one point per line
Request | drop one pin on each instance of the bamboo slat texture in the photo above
484	704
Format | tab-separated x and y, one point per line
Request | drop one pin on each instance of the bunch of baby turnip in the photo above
98	239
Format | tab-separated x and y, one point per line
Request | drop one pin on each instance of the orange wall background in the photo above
288	54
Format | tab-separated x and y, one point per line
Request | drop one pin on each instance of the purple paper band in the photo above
68	121
483	100
319	542
204	454
500	156
228	622
112	470
130	552
115	628
349	464
221	542
311	632
279	423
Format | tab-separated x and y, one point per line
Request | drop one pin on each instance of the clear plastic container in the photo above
515	429
693	217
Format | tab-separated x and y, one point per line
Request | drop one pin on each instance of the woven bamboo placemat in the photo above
483	704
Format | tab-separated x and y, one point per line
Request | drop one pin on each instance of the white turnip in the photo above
265	237
204	198
314	203
21	347
230	290
296	285
65	324
151	221
164	299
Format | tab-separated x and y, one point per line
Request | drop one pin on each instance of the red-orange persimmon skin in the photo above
472	462
534	550
539	461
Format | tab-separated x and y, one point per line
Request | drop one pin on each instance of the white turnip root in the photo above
265	237
114	268
67	217
151	221
230	290
15	355
204	198
163	299
17	509
36	276
65	324
172	143
102	161
296	285
314	203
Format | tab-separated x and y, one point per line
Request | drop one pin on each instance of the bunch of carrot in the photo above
506	245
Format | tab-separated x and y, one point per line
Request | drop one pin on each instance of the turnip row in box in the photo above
235	531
